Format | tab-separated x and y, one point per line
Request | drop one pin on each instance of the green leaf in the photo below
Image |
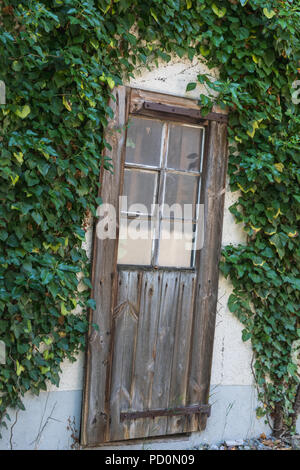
3	235
279	240
19	157
46	276
269	57
63	309
23	112
17	66
269	13
292	369
204	51
111	82
152	12
36	217
91	303
19	368
191	86
220	12
246	335
14	179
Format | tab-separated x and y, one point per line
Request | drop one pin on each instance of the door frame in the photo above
99	350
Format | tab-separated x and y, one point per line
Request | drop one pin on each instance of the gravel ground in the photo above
261	443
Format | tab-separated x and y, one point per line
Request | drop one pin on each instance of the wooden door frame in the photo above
99	351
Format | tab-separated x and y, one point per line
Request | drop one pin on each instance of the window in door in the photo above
162	182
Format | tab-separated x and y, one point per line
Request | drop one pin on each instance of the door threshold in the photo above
145	441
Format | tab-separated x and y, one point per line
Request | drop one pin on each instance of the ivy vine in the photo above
60	59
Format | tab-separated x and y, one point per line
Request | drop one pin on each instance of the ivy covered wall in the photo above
60	59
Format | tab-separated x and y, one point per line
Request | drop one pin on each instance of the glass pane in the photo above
143	142
175	245
181	189
135	242
184	150
140	189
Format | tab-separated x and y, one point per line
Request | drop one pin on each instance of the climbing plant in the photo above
60	59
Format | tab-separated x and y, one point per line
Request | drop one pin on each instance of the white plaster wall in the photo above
231	356
172	78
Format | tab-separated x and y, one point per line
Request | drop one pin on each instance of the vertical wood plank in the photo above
208	277
164	350
181	354
145	351
95	412
126	318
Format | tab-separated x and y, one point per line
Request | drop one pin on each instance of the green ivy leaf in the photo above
220	12
191	86
23	112
36	217
246	335
269	57
92	304
19	368
269	13
63	309
204	51
19	157
152	12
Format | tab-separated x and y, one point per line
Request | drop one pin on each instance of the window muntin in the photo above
163	165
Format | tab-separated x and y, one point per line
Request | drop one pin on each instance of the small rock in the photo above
295	442
268	443
214	447
238	442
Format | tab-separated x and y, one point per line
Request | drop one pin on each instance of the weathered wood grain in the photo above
138	97
126	315
213	191
95	412
181	353
164	350
145	350
163	307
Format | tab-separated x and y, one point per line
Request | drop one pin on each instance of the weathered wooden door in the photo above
148	367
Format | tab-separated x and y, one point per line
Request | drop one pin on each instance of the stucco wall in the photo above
44	424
